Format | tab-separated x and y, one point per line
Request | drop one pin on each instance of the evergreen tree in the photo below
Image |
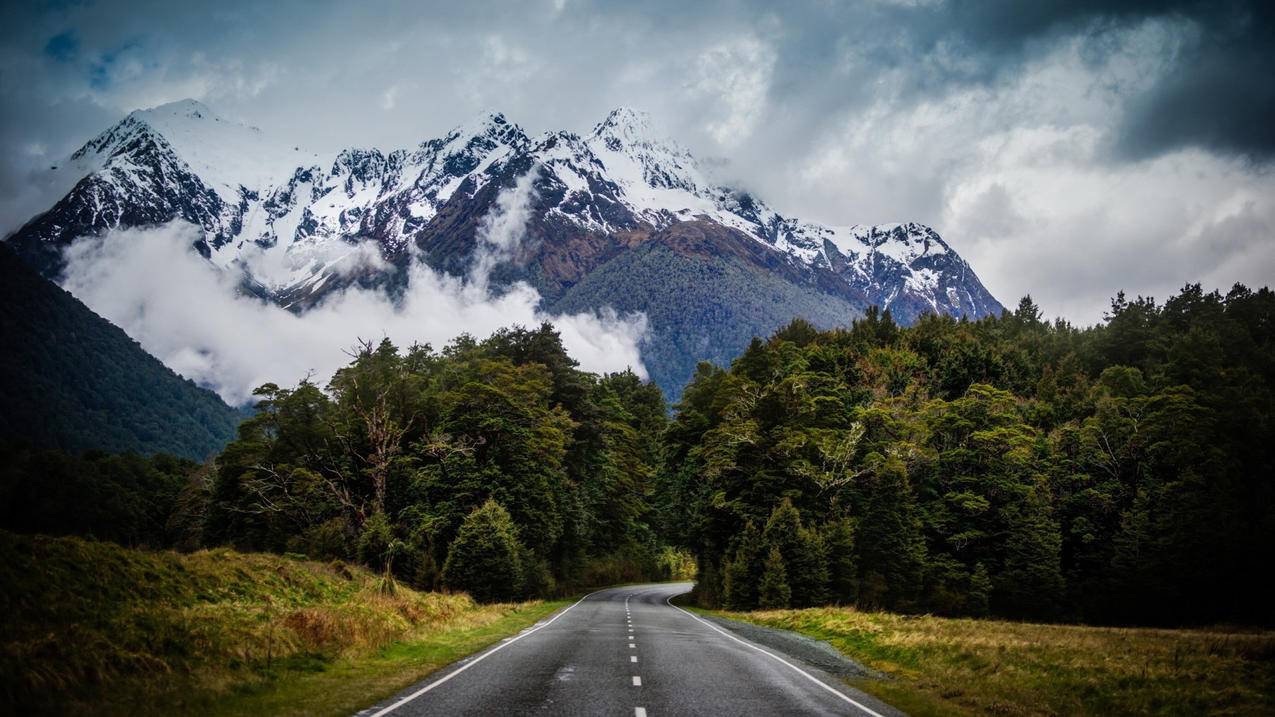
891	548
485	558
742	571
843	572
978	599
774	592
1030	584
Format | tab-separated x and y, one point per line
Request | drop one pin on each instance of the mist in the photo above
190	315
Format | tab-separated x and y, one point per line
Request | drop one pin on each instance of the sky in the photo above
1065	149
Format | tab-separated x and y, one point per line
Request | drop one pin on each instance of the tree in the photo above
891	547
1031	585
741	572
843	571
774	592
485	558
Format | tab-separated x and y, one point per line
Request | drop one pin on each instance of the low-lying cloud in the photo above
191	316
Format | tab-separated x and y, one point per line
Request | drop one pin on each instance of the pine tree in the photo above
891	547
484	559
774	592
978	599
1031	584
811	564
843	572
802	551
740	573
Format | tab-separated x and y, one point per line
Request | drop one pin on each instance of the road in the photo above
628	651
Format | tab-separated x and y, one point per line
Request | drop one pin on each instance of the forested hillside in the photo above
496	467
72	380
1008	466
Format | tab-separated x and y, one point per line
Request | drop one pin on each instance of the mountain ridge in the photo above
291	222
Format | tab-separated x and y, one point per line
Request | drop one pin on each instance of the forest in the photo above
1010	466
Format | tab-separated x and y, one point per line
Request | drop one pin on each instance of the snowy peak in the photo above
289	216
225	155
625	124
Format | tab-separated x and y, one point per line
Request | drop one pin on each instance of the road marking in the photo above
771	655
482	657
632	646
632	658
637	681
639	712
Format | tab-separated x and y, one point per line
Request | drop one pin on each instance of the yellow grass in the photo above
93	628
941	666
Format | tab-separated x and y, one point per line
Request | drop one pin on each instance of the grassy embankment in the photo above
942	666
93	628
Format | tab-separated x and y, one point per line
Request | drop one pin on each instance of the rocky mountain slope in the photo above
298	226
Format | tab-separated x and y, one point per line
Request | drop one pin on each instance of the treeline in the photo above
1009	466
125	498
496	467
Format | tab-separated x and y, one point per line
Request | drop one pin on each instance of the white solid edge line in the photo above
482	657
773	656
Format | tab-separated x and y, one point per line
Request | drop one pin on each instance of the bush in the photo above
485	558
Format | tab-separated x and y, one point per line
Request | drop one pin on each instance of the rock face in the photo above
618	217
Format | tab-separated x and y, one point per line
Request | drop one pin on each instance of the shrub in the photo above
485	558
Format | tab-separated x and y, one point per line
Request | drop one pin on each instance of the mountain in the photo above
717	265
72	380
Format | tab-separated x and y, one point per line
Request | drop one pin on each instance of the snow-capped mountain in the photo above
297	223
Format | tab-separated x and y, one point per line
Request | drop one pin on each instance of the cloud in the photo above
735	76
500	232
192	318
841	112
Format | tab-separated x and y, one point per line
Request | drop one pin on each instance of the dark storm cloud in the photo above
1219	92
1018	129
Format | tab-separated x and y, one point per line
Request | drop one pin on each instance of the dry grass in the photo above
946	666
93	628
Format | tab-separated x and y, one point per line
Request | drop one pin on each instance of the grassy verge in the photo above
93	628
946	666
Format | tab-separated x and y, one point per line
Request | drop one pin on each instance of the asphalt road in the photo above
627	651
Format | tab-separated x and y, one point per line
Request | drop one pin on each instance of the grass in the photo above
93	628
942	666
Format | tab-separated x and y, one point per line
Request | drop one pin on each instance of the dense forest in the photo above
493	466
73	381
1009	466
1121	473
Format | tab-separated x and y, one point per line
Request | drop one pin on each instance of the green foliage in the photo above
1006	466
486	559
73	381
126	498
774	592
843	569
92	628
402	447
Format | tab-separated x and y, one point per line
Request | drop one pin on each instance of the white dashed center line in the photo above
637	681
631	646
632	658
639	712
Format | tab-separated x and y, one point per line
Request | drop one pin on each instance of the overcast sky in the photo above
1066	149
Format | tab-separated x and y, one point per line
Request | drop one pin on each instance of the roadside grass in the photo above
93	628
943	666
